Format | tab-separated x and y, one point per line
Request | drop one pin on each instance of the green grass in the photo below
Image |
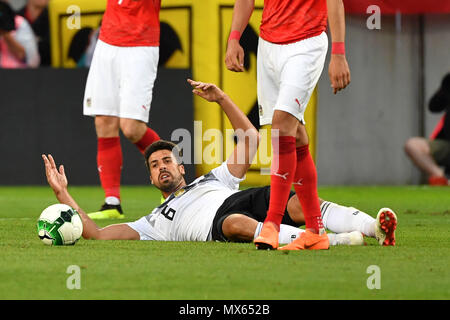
416	268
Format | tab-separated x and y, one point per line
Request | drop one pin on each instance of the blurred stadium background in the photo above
357	135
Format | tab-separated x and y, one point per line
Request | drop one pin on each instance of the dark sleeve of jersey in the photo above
440	101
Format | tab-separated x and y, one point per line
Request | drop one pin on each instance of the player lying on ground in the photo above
212	207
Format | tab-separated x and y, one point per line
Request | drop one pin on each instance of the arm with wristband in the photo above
338	69
234	59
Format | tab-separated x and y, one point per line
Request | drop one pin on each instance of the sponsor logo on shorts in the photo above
260	108
298	102
89	102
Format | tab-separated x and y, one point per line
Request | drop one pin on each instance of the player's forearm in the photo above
336	20
90	229
237	118
242	12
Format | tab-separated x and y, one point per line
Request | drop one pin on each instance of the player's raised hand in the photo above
207	91
56	178
339	72
234	59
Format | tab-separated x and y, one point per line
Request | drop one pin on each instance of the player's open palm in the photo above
339	73
56	178
207	91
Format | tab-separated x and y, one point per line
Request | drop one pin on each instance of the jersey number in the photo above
169	213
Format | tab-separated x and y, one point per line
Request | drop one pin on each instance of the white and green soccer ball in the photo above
59	224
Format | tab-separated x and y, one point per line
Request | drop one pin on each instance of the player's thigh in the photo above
239	227
300	72
138	67
102	85
252	202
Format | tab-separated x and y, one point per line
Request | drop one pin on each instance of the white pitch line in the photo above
1	219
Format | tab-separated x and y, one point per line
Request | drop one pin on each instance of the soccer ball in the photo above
59	225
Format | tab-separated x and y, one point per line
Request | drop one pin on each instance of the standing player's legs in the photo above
102	101
300	75
281	178
283	143
118	93
109	164
295	70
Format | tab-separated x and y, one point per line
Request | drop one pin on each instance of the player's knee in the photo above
133	130
409	145
285	123
413	145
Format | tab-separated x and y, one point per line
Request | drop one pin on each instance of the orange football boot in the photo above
309	241
268	237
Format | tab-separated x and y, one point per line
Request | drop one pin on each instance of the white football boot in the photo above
385	227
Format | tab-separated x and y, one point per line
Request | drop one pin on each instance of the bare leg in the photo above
295	210
133	129
418	150
239	228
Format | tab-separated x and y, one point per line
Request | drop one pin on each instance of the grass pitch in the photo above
416	268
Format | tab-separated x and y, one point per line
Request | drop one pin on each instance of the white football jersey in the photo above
188	213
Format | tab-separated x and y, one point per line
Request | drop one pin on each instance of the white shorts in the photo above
287	75
120	81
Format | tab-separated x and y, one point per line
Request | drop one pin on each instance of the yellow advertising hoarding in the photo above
202	29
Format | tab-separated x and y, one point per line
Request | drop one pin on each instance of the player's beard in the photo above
172	185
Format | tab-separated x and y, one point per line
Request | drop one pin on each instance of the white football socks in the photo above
286	235
112	201
339	219
289	233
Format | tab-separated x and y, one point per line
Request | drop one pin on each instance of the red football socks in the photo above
305	184
282	176
109	161
147	139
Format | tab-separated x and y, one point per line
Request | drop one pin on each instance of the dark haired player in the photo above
212	207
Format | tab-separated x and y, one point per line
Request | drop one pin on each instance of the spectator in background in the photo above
36	13
18	48
432	155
